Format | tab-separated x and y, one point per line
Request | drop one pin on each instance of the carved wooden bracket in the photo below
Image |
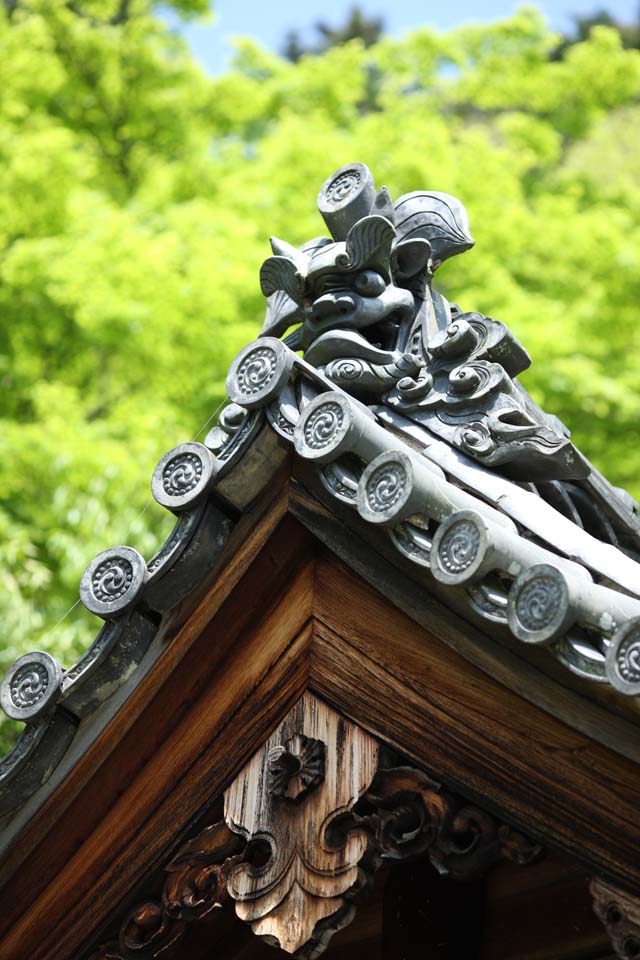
307	822
313	866
620	913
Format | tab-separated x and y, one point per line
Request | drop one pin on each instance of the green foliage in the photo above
136	196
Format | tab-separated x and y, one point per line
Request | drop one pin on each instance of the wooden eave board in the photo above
283	615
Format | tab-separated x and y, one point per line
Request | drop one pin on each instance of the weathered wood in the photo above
304	849
300	897
221	934
529	914
554	782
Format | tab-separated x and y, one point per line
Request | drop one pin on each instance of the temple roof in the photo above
513	531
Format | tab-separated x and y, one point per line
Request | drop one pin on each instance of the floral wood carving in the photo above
620	914
309	820
296	767
303	893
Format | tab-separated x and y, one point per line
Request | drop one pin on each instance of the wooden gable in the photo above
283	615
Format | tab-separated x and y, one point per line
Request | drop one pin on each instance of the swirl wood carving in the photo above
416	816
195	884
307	823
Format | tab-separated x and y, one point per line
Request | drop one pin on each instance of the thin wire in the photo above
208	421
63	617
138	518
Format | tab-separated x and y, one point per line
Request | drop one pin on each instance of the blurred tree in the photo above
357	26
583	25
136	196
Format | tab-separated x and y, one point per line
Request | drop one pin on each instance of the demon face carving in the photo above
356	296
364	311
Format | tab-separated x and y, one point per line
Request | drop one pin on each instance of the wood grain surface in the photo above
375	666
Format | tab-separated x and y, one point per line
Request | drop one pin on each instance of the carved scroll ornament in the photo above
195	884
307	823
